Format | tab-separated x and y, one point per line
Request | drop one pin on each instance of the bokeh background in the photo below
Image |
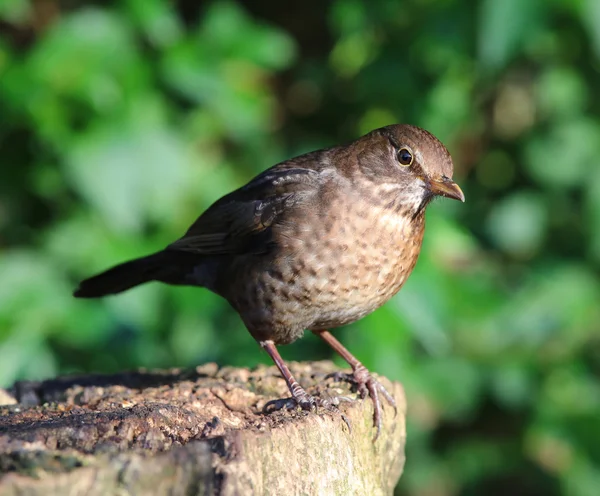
121	121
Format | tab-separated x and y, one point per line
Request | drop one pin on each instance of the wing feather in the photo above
240	222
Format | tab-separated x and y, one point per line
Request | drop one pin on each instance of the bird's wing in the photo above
240	222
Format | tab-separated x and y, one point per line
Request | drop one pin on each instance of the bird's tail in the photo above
157	266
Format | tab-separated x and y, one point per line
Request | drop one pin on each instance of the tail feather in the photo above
127	275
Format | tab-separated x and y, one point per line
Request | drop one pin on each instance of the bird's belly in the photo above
360	290
351	269
326	274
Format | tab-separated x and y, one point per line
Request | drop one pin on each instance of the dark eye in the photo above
405	157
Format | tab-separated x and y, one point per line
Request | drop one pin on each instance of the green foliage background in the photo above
121	121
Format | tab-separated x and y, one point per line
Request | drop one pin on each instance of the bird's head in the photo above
406	161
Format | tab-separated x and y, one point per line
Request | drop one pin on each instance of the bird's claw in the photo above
309	403
367	385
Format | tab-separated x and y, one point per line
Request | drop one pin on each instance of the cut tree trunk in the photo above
195	432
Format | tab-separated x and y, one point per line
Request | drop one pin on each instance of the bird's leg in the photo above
364	381
299	396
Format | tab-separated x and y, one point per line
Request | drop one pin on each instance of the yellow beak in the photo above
446	187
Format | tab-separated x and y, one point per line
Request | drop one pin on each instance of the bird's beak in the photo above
446	187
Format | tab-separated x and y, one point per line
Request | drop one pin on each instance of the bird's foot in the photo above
366	384
304	401
300	398
308	403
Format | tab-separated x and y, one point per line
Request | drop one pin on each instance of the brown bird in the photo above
315	242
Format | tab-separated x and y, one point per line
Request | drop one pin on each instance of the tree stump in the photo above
202	431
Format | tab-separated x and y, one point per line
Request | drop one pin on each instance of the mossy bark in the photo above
194	432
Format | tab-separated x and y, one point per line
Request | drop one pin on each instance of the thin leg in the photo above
301	397
365	382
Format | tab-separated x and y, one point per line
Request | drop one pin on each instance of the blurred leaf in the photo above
513	385
30	280
593	211
453	383
565	156
518	224
128	171
15	11
158	20
475	459
571	390
449	102
228	48
353	52
23	356
348	16
504	25
89	55
562	91
590	16
228	30
375	118
583	480
425	316
554	308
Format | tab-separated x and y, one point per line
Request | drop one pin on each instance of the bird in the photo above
313	243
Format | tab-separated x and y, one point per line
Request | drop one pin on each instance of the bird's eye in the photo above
405	157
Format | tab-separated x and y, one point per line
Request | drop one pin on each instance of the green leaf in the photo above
15	11
504	27
158	20
566	156
129	172
518	224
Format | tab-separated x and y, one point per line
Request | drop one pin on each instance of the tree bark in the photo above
195	432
